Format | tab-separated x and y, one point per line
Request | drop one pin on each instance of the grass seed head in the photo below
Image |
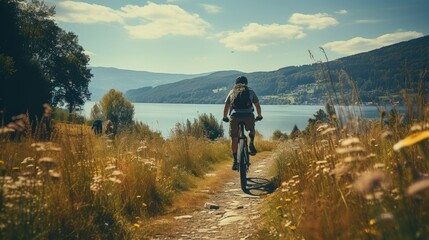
328	130
345	150
350	142
368	182
386	135
415	128
418	187
47	163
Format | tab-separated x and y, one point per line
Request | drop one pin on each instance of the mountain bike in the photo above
243	155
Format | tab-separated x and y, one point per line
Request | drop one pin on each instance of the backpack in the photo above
240	97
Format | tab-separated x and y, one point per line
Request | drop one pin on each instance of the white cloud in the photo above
89	53
80	12
162	20
313	21
342	12
254	36
360	44
213	9
153	20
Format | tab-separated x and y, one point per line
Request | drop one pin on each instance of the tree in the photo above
117	109
24	87
295	132
40	32
58	53
319	116
38	61
278	135
96	112
70	73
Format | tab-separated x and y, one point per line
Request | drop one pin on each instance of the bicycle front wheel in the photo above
244	159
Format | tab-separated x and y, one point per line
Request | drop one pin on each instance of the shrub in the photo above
206	126
279	135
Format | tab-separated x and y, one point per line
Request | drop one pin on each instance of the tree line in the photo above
39	62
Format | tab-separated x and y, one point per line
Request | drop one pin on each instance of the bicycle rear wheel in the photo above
244	159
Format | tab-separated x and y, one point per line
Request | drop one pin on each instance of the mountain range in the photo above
106	78
378	76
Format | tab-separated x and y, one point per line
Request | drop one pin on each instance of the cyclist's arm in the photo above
225	109
258	109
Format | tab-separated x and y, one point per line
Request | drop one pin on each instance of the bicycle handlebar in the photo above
226	119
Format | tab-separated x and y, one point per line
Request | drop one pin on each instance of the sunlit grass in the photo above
80	186
362	179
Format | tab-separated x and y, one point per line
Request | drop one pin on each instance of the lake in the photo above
162	117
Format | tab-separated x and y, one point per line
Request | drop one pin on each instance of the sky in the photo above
200	36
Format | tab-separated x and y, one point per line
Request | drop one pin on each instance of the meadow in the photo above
81	186
353	178
77	185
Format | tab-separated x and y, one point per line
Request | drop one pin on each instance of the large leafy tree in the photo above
24	88
70	73
116	108
39	62
59	54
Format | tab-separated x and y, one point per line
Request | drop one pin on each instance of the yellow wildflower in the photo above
292	228
370	231
144	204
411	140
136	225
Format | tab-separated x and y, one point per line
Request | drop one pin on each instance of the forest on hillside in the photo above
378	75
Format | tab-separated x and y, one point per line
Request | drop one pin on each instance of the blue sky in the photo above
197	36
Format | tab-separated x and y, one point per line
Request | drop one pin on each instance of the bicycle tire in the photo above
244	159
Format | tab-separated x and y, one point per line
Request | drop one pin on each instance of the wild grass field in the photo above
355	178
81	186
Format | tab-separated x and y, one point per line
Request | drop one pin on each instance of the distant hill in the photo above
195	90
377	73
106	78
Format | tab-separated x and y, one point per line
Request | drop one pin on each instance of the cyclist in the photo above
239	104
97	127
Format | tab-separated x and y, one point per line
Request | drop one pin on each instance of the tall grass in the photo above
355	178
80	186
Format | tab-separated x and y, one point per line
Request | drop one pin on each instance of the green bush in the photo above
279	135
206	126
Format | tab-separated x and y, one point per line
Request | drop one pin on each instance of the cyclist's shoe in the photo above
252	149
235	166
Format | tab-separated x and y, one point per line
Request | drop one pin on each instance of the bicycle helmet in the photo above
241	79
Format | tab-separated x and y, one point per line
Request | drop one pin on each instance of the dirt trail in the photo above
220	209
